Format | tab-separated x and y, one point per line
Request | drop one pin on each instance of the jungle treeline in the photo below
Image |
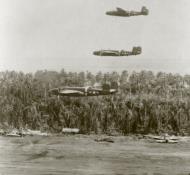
146	102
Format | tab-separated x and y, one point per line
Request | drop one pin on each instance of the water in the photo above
81	155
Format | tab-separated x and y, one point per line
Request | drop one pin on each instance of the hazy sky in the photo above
56	34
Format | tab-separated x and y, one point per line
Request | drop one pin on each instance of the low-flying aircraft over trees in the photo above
105	89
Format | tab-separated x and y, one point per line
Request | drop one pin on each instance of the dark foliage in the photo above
145	103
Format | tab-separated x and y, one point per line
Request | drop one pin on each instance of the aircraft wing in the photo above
94	89
120	9
70	92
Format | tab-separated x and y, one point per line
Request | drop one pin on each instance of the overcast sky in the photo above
56	34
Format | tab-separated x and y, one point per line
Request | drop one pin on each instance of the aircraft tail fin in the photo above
137	50
144	10
112	85
106	87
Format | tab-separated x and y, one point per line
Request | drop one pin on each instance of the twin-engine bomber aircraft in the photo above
124	13
135	51
105	89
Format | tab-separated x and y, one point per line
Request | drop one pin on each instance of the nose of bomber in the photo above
108	13
53	91
95	53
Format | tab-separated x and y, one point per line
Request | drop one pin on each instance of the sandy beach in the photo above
82	155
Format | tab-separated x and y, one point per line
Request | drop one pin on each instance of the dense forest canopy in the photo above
146	102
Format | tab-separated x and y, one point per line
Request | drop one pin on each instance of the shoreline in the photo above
76	131
101	137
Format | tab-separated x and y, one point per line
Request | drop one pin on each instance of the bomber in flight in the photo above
135	51
123	13
105	89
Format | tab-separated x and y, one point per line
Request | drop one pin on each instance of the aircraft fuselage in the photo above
124	14
135	51
81	91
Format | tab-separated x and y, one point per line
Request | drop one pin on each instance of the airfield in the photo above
82	155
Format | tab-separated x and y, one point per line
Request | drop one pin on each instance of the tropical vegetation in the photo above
146	102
